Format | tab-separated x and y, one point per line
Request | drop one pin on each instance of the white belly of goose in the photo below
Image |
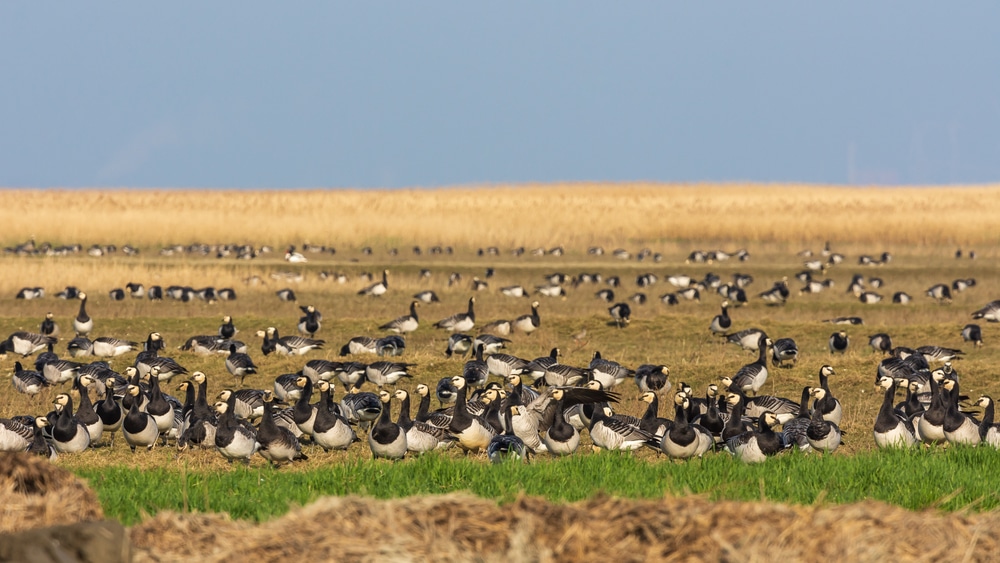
967	434
339	437
144	438
562	448
898	437
242	446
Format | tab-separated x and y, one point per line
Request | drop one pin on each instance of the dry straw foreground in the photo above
570	214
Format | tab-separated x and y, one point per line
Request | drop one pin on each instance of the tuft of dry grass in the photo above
35	493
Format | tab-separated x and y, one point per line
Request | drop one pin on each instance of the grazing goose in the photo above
309	323
69	434
167	368
784	350
606	295
794	431
277	444
54	370
26	343
427	296
139	427
110	347
507	446
232	439
621	313
653	378
784	409
49	326
972	333
514	291
611	433
756	445
893	429
420	436
378	288
880	342
721	323
239	365
839	342
292	345
358	406
940	353
608	372
476	371
286	294
869	297
529	323
561	375
458	344
824	436
845	321
959	428
117	294
386	373
989	432
83	324
751	377
901	298
491	344
501	327
324	370
392	345
940	292
747	339
359	345
405	323
294	257
990	312
473	433
460	322
387	439
29	382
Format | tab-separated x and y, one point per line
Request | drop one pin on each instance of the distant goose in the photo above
963	284
972	333
26	343
378	288
880	342
551	290
292	345
514	291
135	290
839	342
460	322
777	295
652	378
940	292
784	350
69	293
458	344
748	339
49	326
845	321
721	323
155	293
29	293
117	294
309	323
294	257
226	294
605	295
359	345
110	347
690	293
478	285
83	324
529	323
535	369
609	373
405	323
239	365
901	298
226	329
427	296
869	297
286	294
990	312
387	373
669	299
501	327
621	313
940	353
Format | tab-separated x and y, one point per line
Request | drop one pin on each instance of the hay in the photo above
35	493
463	528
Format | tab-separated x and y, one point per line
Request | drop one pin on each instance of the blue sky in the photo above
313	94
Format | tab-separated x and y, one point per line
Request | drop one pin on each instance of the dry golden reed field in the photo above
921	227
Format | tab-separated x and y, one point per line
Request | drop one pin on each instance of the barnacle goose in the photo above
683	440
940	292
138	427
621	313
27	343
476	371
940	353
331	428
14	436
721	323
651	421
869	297
292	345
838	343
608	372
473	433
561	438
286	294
959	428
507	446
386	438
610	433
239	365
83	324
669	299
277	444
880	342
460	322
249	403
501	327
972	333
784	350
990	312
901	298
458	344
49	326
514	291
110	347
778	293
232	439
989	432
420	436
845	321
823	435
386	373
748	339
69	434
794	431
529	323
309	323
893	429
605	295
562	375
85	412
405	323
378	288
29	382
653	378
752	376
930	424
756	445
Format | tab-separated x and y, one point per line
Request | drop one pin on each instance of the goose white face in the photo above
325	386
827	370
713	390
227	319
384	396
221	407
558	394
679	398
301	381
422	390
646	397
225	394
401	394
261	334
133	390
948	384
983	401
770	418
514	380
130	372
41	422
268	397
607	411
62	399
198	377
732	398
726	380
86	380
458	382
818	392
594	385
183	386
885	382
81	296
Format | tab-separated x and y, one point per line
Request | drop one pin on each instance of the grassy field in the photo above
772	223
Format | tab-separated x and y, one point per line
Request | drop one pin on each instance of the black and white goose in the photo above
514	291
721	323
825	402
387	373
460	322
529	323
203	421
360	406
331	427
473	433
139	428
653	378
227	330
85	412
420	436
823	435
69	434
359	345
757	444
560	375
940	353
684	440
292	345
972	333
378	288
651	421
277	444
893	429
561	438
794	431
83	324
747	339
158	406
608	372
15	436
239	365
880	342
476	371
784	350
507	446
110	410
232	439
621	314
959	428
458	344
26	343
29	382
49	326
386	439
405	323
249	403
838	342
751	377
989	432
286	294
611	433
111	347
990	312
929	424
309	323
427	296
939	292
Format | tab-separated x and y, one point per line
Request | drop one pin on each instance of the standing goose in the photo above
378	288
653	378
139	427
331	430
721	323
621	314
304	413
203	421
880	342
277	444
360	407
930	423
825	402
405	323
69	435
529	323
226	330
83	324
49	326
823	435
427	296
473	433
611	433
839	341
158	407
608	372
309	323
458	344
387	439
794	431
507	446
959	428
751	377
973	333
784	350
989	432
232	439
420	436
476	371
239	365
109	410
460	322
85	413
892	428
561	438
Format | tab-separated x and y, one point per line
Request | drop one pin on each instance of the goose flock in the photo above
492	401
